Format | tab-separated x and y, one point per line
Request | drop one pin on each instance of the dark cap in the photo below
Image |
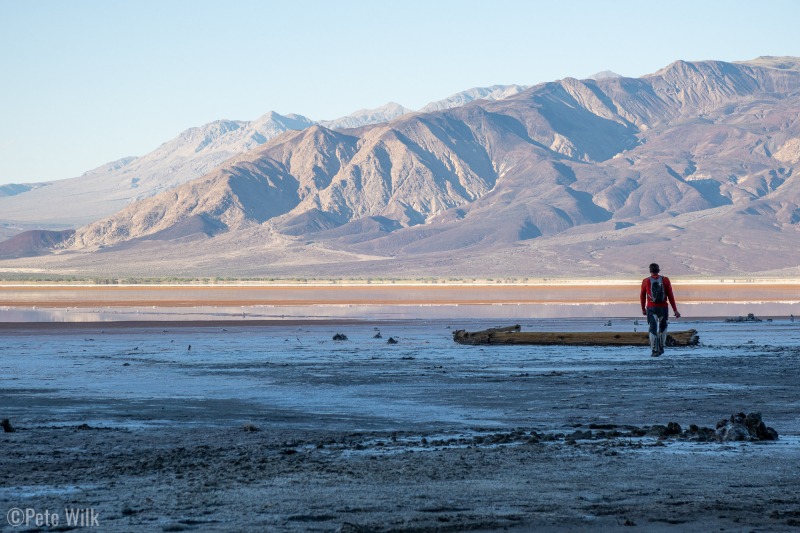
654	268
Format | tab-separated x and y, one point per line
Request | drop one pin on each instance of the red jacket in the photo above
644	296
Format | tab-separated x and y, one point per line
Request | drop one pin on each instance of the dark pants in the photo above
657	319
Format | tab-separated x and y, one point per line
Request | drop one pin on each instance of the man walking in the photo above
656	291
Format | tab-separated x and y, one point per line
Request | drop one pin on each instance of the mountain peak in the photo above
776	62
494	92
365	117
604	75
680	67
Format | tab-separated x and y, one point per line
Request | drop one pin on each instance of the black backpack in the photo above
657	292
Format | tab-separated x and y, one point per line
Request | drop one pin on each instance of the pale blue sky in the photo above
87	82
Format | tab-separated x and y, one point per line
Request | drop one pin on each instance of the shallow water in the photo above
464	312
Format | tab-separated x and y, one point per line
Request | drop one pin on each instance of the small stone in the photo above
391	340
250	428
6	425
340	337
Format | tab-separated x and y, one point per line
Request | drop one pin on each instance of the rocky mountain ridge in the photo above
194	152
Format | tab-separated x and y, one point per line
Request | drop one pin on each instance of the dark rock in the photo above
755	425
673	428
749	318
250	428
706	434
732	432
580	435
340	337
752	421
501	438
6	425
741	427
657	430
391	340
768	434
377	336
84	427
700	434
602	426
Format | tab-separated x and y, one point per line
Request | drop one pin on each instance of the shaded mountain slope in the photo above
33	242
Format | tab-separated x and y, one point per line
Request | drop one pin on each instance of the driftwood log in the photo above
513	335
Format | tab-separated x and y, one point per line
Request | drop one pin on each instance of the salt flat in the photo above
281	428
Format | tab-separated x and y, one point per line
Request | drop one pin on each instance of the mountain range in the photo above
694	166
107	189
